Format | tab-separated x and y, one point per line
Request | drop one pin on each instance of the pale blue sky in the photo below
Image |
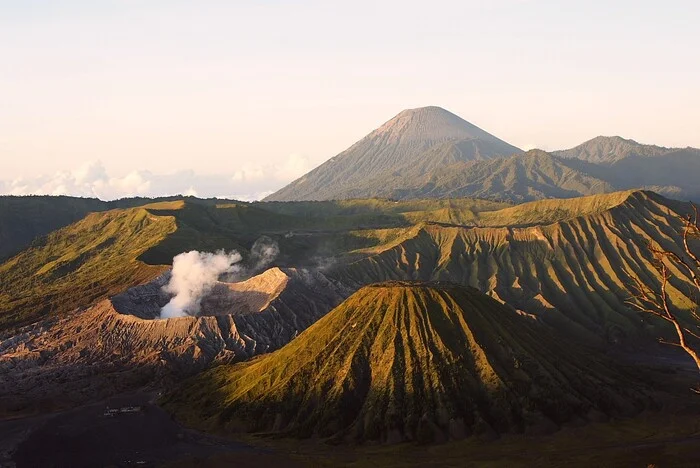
256	92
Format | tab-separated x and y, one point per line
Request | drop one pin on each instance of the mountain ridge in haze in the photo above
396	146
431	153
610	149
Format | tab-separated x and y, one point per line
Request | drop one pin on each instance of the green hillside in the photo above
107	252
79	264
569	261
25	218
405	361
574	272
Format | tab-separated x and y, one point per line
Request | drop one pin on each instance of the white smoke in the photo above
263	252
194	274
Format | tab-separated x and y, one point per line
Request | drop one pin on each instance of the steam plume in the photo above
263	252
193	276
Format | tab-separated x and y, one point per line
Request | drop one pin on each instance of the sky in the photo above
237	98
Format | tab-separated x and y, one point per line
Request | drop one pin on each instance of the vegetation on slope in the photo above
25	218
674	173
524	177
404	361
573	273
79	264
106	252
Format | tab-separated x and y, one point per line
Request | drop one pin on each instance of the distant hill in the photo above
406	361
25	218
431	153
419	140
608	150
674	173
22	219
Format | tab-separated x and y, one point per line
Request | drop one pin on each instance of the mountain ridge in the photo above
399	361
432	153
610	149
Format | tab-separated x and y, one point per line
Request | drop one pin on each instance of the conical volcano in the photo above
413	143
405	361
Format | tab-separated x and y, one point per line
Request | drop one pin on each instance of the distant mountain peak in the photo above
431	124
425	110
413	141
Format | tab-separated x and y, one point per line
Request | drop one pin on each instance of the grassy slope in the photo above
25	218
109	251
575	264
421	362
575	273
79	264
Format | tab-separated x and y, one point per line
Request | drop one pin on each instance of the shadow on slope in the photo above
420	362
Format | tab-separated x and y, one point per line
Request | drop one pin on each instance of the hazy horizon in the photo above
236	99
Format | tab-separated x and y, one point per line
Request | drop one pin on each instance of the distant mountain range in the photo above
430	152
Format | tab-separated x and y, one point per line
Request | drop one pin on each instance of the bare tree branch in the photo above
657	302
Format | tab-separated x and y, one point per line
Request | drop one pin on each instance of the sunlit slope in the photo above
573	273
79	264
566	257
404	361
107	252
24	218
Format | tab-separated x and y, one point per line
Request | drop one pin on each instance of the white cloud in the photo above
248	182
291	168
294	167
531	146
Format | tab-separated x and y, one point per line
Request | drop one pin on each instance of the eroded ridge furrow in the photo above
573	274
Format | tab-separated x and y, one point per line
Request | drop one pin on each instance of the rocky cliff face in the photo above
120	344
